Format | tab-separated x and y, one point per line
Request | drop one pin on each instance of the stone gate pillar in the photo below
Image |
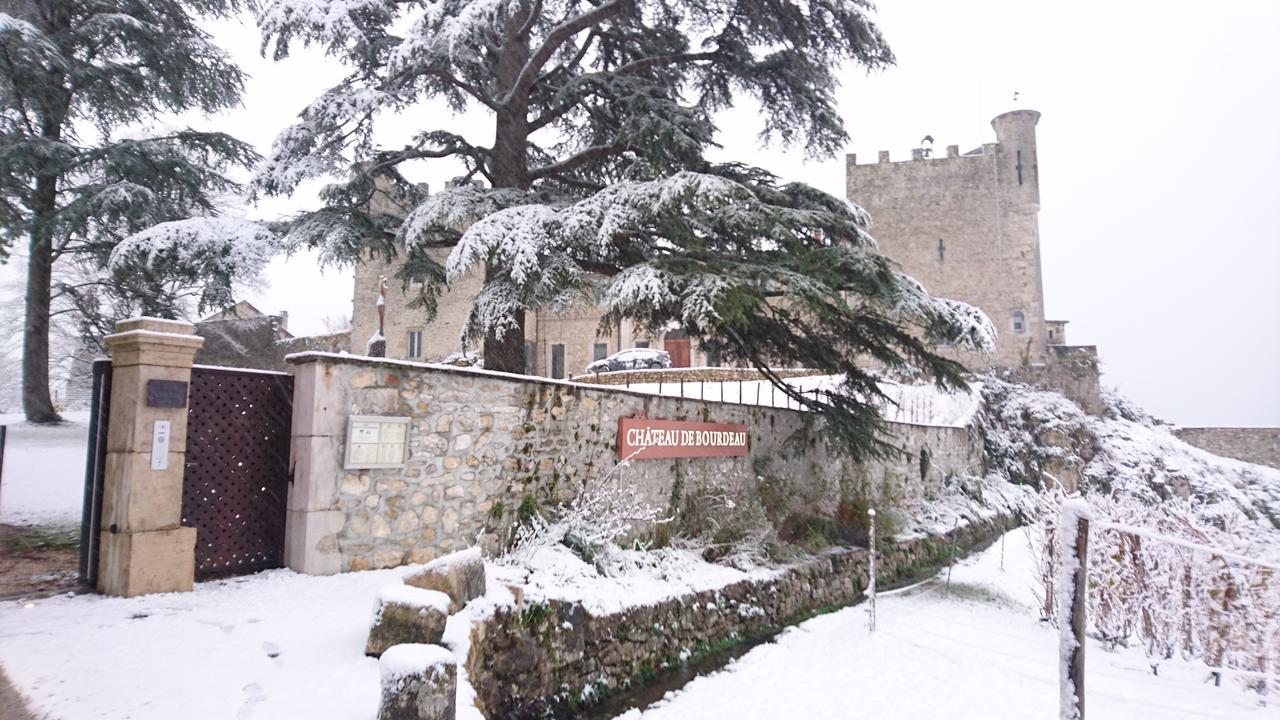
143	547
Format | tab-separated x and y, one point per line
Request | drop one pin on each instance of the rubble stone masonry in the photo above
480	444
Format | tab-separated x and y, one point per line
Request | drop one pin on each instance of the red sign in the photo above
640	438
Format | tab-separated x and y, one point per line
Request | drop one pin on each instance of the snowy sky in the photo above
1160	163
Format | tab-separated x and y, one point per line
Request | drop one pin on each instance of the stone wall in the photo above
481	444
1255	445
551	659
1071	370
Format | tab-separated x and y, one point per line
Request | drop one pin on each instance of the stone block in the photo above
132	421
136	498
316	471
419	682
137	563
319	400
307	541
459	575
406	614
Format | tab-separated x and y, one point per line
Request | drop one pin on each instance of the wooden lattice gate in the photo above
236	480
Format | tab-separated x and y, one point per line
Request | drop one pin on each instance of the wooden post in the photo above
1074	526
951	554
871	564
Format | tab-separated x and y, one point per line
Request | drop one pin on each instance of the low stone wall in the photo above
1260	446
483	444
552	659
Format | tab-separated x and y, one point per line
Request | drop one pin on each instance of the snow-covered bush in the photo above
1170	598
604	511
1028	431
724	520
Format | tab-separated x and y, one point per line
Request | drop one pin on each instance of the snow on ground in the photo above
283	645
911	404
272	645
276	644
43	475
978	652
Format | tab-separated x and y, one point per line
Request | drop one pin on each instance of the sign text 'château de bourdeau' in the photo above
641	438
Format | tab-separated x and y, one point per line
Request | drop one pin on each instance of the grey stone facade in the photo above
967	227
1260	446
480	443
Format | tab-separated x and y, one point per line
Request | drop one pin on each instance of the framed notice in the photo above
640	438
376	442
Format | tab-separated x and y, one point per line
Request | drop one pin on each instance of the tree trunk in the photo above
509	167
36	403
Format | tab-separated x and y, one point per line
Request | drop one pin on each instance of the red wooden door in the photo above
679	352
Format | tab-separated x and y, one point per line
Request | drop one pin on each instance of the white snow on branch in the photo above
957	323
456	209
451	30
328	21
30	42
638	285
234	247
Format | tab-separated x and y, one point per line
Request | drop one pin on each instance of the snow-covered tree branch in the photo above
76	79
602	193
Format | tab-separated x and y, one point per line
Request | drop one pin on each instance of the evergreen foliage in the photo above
78	77
600	189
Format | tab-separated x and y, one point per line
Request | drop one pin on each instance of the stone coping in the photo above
364	360
312	356
690	375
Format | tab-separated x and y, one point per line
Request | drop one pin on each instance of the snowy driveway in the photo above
976	653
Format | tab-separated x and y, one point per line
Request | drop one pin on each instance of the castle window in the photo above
557	361
414	344
1019	167
642	343
942	250
600	351
1019	322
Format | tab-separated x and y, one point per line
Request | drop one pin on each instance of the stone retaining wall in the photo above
482	444
1257	445
552	659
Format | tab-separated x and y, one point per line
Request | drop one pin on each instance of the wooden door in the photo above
679	352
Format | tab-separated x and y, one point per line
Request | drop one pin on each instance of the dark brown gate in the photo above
237	469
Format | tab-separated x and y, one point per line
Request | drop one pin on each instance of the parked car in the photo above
633	359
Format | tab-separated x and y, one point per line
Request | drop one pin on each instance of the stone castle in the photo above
964	225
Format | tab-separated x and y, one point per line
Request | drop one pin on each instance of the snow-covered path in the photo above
282	645
43	480
976	653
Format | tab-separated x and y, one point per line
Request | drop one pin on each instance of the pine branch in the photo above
569	164
554	40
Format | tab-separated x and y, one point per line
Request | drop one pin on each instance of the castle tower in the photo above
967	226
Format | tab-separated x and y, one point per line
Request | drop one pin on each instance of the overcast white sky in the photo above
1159	152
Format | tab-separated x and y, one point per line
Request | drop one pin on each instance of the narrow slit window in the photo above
557	361
1019	322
